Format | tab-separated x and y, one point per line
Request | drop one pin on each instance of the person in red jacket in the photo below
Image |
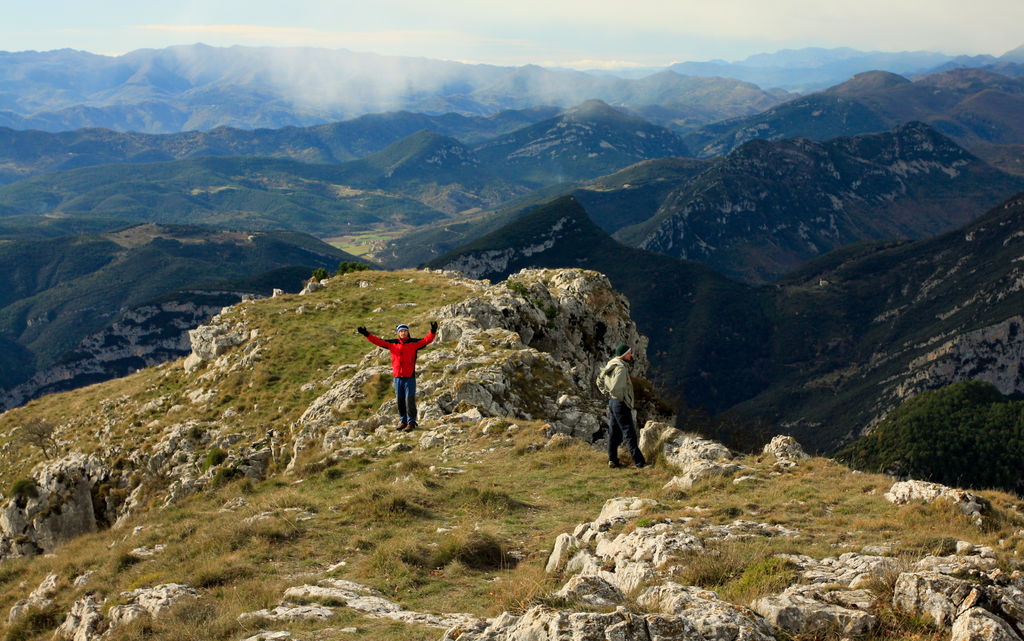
403	367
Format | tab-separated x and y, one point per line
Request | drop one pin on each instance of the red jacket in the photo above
403	354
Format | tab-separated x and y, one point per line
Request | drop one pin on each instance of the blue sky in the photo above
571	33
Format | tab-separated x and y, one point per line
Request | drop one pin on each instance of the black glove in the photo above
433	327
363	331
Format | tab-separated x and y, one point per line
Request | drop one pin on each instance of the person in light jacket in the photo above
614	382
403	367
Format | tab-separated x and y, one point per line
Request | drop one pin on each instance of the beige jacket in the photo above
614	381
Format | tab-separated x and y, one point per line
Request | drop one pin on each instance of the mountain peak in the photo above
596	110
424	148
869	81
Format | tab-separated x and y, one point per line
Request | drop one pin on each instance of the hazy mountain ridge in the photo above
971	106
417	180
200	87
815	68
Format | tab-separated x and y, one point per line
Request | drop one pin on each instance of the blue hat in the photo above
401	327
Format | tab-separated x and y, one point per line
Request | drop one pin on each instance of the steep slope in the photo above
627	197
62	292
587	141
825	351
768	207
863	330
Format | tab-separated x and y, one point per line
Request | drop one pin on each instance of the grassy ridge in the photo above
467	528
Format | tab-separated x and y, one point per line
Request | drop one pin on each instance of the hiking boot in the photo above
410	427
641	466
614	464
402	427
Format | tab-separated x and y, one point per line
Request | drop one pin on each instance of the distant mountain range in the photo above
821	354
197	87
815	68
979	109
200	87
768	207
82	308
26	153
417	180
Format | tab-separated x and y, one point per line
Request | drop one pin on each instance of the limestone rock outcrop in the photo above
971	504
55	506
530	347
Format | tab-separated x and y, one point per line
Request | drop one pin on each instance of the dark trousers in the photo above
620	425
405	390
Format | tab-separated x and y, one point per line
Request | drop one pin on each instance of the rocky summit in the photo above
258	490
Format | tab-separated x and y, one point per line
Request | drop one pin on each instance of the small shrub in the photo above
214	457
24	489
386	504
477	550
319	274
517	288
344	267
528	584
766	576
715	567
223	476
125	560
41	433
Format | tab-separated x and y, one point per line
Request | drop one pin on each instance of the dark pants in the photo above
620	425
405	390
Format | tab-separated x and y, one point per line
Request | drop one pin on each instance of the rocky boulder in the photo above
696	458
804	610
970	504
149	602
59	503
210	341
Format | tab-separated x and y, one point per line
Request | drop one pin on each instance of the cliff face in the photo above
144	336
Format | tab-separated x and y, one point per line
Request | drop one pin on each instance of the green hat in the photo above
622	350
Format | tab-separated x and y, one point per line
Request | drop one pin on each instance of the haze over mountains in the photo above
201	87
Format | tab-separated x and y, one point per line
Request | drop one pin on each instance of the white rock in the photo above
785	448
289	613
83	621
801	610
977	624
592	591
